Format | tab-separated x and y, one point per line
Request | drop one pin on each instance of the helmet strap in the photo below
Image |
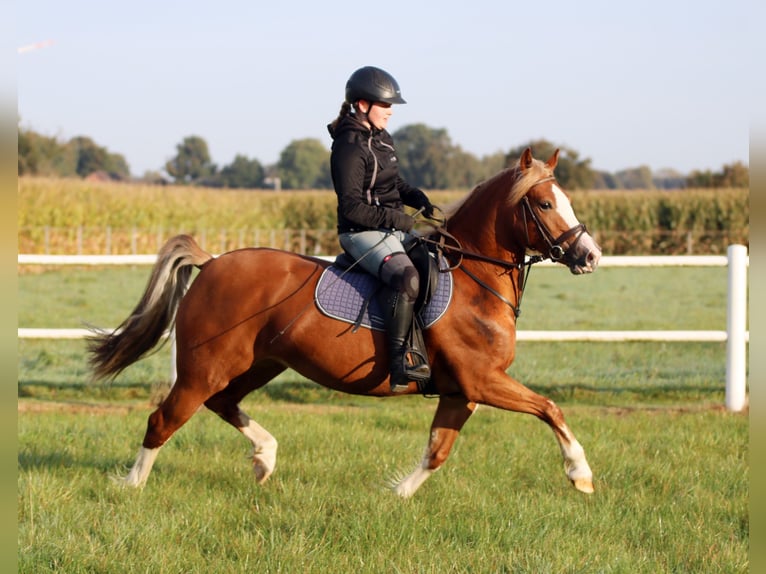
362	116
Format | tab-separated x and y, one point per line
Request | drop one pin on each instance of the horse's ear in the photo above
554	159
525	161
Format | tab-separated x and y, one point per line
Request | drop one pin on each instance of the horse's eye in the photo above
546	205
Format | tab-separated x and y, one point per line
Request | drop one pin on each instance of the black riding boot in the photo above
399	315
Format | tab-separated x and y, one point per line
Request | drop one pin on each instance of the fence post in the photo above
736	326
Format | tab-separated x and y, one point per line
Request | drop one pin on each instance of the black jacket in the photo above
359	155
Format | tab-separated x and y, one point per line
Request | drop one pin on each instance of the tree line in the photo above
428	159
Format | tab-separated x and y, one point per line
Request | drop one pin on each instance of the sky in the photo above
664	84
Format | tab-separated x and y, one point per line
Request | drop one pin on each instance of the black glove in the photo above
403	221
427	207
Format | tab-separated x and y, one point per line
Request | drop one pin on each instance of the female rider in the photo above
371	194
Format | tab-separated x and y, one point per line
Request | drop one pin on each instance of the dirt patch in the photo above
75	407
27	406
716	408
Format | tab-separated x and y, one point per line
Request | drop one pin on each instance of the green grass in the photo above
671	465
671	494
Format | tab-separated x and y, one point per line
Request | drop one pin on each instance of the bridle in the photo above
555	251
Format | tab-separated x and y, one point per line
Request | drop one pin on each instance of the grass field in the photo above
671	465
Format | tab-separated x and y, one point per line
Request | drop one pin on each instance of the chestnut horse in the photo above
250	314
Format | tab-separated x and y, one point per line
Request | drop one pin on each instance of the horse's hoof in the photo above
261	471
584	485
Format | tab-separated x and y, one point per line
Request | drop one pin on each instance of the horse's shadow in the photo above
33	459
572	392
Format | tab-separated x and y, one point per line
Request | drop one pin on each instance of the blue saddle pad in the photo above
340	294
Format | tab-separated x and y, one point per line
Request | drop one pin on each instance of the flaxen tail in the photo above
111	353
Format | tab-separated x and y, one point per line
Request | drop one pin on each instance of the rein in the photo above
523	268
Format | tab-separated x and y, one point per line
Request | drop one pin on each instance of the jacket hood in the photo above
348	123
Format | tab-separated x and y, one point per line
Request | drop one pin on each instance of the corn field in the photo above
58	216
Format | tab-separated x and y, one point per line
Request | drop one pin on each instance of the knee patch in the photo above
400	274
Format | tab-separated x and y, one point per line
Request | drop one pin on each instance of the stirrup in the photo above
420	375
416	366
413	367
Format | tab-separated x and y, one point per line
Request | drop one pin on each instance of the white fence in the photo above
736	334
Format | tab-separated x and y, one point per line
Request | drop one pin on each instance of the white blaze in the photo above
564	207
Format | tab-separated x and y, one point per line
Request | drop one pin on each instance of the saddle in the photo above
425	259
348	293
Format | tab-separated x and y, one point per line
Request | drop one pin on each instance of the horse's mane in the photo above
498	183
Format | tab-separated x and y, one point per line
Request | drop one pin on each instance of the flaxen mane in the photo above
537	171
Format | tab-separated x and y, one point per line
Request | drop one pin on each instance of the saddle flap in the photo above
428	269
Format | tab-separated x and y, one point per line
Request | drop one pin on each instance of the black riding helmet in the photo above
374	85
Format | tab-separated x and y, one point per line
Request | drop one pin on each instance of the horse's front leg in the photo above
505	392
451	414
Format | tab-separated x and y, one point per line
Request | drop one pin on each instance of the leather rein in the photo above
508	266
555	252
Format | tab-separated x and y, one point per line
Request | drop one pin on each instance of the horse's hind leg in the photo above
226	405
180	404
451	415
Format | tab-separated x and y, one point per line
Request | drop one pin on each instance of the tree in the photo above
44	155
462	170
490	165
636	178
153	177
305	164
424	154
28	153
117	167
605	180
91	158
734	175
571	171
700	179
191	163
668	179
242	173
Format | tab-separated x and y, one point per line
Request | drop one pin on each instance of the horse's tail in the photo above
110	353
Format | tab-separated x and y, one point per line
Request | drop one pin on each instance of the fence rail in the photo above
736	334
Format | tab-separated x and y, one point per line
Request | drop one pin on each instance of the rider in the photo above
371	194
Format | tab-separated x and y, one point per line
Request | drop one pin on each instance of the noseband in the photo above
555	250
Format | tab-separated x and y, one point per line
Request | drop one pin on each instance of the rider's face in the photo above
378	114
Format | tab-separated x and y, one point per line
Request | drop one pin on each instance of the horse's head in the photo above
551	227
